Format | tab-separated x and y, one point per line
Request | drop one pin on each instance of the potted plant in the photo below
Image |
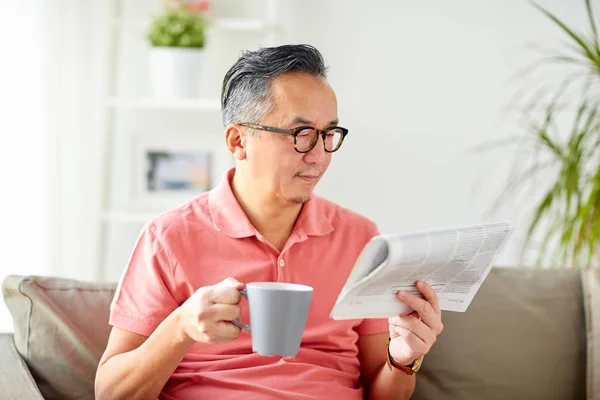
562	140
177	37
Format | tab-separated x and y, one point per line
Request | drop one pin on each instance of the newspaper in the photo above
454	261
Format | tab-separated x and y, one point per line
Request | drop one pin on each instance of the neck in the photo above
273	217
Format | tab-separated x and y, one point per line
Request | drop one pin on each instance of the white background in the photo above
418	84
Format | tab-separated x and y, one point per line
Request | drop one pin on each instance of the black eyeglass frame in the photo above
295	131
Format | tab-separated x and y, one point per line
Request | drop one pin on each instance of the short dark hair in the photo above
245	95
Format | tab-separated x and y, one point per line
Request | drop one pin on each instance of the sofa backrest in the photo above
61	330
590	280
523	337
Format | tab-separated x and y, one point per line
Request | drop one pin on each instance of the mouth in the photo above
308	177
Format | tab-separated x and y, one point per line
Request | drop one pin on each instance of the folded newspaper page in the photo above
454	261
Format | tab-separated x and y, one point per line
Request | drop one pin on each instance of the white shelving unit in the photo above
207	104
128	216
117	217
230	24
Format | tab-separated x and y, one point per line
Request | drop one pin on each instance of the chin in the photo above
298	199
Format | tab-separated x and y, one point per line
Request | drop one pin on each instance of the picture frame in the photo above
170	170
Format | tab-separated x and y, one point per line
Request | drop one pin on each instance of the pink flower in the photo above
198	6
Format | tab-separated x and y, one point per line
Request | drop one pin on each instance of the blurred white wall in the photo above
418	84
49	80
25	201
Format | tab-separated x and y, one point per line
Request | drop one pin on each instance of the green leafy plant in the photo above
563	140
178	28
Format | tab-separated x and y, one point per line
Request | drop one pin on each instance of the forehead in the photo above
303	95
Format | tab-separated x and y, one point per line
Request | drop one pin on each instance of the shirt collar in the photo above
225	211
314	219
229	218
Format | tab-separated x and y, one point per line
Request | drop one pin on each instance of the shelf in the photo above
129	217
238	24
202	104
229	24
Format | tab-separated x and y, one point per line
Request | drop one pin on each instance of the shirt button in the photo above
260	238
281	263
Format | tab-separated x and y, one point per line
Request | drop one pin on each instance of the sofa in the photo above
528	334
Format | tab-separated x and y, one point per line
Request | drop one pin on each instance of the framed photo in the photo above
170	172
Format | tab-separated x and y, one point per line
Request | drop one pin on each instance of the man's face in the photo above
272	161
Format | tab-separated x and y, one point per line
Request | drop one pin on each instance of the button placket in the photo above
280	269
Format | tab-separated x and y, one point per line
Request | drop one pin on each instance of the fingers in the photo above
427	307
225	295
225	312
217	332
214	325
225	330
232	282
211	309
414	325
430	295
226	292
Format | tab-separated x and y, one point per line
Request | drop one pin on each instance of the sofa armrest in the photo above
16	382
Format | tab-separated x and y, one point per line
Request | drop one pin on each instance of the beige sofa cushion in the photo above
16	382
523	337
61	329
590	279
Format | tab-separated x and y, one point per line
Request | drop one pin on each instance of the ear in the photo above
235	138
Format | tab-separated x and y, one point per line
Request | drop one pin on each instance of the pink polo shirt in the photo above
209	239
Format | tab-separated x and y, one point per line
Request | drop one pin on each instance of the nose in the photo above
317	154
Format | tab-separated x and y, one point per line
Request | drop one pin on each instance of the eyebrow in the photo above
302	120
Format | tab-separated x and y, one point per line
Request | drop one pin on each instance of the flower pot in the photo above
175	71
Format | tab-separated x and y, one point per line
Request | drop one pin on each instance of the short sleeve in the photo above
373	326
376	325
145	292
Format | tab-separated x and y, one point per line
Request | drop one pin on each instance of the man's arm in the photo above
135	367
379	381
411	336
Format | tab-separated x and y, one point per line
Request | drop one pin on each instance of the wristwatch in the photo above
407	369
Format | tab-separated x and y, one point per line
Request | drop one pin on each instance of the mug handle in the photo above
235	321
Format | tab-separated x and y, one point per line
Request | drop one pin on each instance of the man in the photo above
172	337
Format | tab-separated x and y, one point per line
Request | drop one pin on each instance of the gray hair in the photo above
246	95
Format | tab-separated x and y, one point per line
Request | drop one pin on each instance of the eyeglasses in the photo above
306	137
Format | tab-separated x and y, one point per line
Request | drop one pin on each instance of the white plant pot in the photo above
175	71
